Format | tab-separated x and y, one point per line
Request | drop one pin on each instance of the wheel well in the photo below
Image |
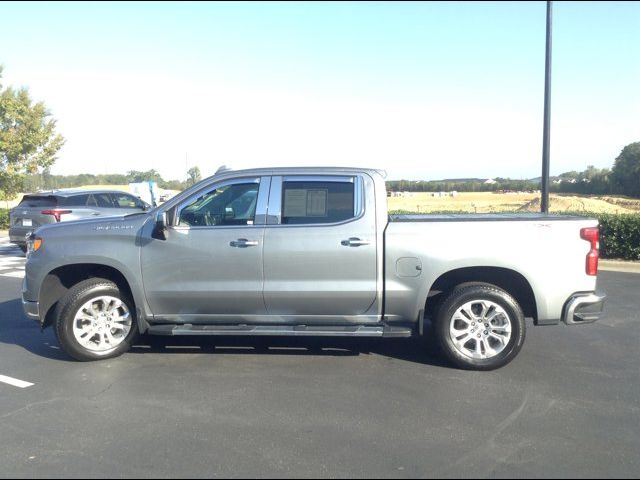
58	282
509	280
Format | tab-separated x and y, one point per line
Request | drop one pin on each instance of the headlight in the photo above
33	243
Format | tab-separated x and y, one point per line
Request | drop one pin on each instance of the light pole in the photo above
544	201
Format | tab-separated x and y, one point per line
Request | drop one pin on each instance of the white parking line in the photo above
15	382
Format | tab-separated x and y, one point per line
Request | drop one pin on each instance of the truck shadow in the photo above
16	329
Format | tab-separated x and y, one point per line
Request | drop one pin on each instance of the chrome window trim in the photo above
318	178
214	186
274	212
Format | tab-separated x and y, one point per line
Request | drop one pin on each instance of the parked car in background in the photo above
64	205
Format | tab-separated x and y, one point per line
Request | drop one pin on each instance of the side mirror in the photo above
160	228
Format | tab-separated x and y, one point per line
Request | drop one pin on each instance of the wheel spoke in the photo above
463	340
114	305
506	328
485	309
468	314
109	337
462	318
478	350
88	334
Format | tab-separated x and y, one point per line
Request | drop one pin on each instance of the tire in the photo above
23	247
95	320
480	327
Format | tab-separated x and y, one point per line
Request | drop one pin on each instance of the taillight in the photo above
592	235
57	213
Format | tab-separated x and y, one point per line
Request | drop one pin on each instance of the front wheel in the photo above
95	320
480	327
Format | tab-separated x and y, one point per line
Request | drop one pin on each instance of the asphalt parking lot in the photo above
568	406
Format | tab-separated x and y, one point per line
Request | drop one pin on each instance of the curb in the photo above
626	266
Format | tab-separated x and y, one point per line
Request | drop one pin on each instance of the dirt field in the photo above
485	202
480	202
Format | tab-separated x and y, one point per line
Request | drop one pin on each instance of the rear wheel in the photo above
23	247
95	320
480	327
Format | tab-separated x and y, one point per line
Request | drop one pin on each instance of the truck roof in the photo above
297	170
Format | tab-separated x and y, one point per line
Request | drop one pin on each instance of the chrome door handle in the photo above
243	243
354	242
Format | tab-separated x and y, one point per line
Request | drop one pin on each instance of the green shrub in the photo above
619	235
4	219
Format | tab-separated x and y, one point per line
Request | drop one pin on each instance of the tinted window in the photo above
122	200
38	201
103	200
316	202
229	205
74	201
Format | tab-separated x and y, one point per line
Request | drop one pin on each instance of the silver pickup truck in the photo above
310	252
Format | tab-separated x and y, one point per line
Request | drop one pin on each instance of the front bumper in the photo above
32	309
583	308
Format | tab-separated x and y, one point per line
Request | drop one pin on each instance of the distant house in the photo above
489	181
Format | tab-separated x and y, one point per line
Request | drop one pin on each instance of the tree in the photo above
28	140
135	176
626	170
193	175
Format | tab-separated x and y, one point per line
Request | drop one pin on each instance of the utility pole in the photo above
544	201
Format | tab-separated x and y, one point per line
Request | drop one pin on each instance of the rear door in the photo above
320	249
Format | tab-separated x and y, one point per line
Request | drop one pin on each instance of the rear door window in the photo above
103	200
122	200
91	202
311	202
74	201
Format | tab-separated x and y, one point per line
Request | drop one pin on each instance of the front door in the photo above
209	269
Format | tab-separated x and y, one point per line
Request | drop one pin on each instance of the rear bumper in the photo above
18	235
583	308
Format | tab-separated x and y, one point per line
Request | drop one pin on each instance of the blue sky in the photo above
424	90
